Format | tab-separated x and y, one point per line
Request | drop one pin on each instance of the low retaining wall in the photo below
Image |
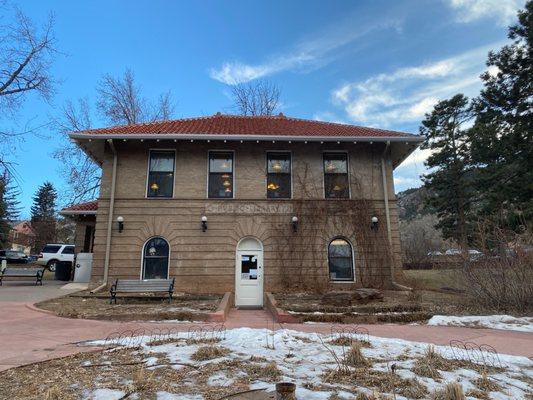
279	315
222	311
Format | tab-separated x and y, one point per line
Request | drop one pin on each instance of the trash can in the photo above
63	271
82	272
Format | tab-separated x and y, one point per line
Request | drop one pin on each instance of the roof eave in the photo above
251	137
77	212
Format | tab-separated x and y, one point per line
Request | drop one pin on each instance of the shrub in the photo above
502	279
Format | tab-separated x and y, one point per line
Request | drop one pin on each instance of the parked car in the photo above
13	257
55	252
472	254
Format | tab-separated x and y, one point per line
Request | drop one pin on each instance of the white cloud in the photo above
416	158
232	73
407	94
406	182
503	11
306	55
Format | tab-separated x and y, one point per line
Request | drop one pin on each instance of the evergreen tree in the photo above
502	144
450	178
9	208
43	215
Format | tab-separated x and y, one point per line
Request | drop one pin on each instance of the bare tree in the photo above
256	98
81	173
120	102
419	238
25	59
26	54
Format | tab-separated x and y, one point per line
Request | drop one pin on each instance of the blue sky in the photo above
374	63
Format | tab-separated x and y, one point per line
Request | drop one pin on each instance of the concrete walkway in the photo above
30	336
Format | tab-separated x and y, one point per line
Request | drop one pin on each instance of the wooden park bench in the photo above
142	286
23	273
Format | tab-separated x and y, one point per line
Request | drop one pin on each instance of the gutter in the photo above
394	284
67	213
109	218
245	137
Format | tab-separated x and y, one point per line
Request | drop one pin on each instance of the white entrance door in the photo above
249	273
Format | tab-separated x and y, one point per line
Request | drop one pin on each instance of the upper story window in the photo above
278	175
336	184
220	175
161	173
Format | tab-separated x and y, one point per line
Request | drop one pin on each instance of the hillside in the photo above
411	203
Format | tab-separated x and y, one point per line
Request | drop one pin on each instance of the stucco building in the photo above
244	204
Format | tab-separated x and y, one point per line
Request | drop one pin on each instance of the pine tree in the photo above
43	215
9	207
450	178
503	146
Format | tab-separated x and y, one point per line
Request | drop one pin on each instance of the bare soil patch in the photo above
142	308
394	307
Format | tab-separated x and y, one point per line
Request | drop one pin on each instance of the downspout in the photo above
109	218
394	284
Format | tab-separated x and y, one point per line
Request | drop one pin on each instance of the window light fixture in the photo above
294	221
120	220
374	223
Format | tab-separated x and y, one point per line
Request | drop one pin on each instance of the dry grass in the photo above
202	341
162	342
478	394
452	391
399	307
209	353
430	279
184	308
373	396
429	364
269	372
354	357
381	381
143	381
344	340
53	393
485	384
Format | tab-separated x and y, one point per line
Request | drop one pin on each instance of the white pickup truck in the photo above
53	253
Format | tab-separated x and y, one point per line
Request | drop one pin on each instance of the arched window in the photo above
155	259
340	260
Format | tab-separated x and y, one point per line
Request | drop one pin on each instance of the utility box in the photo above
84	266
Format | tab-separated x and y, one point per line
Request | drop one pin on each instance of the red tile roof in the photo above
221	124
90	206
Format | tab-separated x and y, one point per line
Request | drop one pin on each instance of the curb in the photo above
32	307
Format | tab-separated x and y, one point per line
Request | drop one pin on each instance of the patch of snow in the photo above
175	321
171	396
310	360
219	379
106	394
503	322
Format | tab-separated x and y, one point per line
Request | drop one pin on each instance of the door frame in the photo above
259	250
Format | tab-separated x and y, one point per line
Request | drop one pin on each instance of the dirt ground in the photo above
435	292
397	307
147	308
